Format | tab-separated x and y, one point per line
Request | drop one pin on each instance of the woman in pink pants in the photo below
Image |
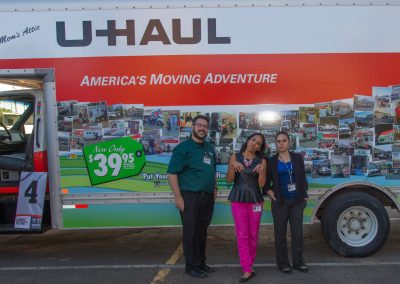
247	169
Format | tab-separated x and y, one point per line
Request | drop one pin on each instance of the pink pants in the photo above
247	223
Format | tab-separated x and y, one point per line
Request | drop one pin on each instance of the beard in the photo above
201	135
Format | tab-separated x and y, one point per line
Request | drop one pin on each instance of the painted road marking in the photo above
181	266
162	274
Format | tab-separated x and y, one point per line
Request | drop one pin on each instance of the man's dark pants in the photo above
291	211
196	218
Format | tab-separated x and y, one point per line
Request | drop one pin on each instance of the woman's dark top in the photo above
273	182
245	187
284	170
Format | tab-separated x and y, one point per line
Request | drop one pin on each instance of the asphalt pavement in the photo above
155	256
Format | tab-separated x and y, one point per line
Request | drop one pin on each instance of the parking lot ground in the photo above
154	256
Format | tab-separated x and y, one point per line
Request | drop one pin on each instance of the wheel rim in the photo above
357	226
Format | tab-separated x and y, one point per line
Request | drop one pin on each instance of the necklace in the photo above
246	158
247	162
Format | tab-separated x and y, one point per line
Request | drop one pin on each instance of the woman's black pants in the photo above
289	211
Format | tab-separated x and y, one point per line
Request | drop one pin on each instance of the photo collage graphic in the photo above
357	136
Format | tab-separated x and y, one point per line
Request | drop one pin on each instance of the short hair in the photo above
200	116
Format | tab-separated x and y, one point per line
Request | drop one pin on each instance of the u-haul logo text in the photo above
154	32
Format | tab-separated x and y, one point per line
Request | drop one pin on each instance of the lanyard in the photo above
290	171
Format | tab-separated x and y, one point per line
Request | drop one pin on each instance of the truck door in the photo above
22	144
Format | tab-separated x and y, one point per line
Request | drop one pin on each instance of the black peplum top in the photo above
245	187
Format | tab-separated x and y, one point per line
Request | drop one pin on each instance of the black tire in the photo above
355	224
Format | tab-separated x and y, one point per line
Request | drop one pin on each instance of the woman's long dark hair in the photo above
262	148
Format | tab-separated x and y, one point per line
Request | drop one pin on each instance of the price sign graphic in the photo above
115	159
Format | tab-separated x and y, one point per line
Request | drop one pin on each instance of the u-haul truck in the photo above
113	86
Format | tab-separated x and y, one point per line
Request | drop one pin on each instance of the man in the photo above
191	175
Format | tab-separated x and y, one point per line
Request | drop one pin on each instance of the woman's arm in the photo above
268	190
269	174
303	169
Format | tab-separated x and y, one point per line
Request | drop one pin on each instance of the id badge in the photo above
291	187
207	160
257	208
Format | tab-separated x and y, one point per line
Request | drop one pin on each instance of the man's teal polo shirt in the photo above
195	165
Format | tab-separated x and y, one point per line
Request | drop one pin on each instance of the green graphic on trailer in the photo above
115	159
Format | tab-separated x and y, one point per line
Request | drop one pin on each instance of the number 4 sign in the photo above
32	189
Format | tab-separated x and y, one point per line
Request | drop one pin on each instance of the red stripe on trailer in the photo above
81	206
9	190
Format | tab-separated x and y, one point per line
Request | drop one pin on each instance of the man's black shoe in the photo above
196	272
303	268
207	268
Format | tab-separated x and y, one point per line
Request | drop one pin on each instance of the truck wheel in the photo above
355	224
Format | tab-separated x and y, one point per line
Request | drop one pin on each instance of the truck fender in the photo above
357	185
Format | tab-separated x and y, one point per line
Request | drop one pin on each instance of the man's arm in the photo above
216	181
173	183
230	175
216	188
